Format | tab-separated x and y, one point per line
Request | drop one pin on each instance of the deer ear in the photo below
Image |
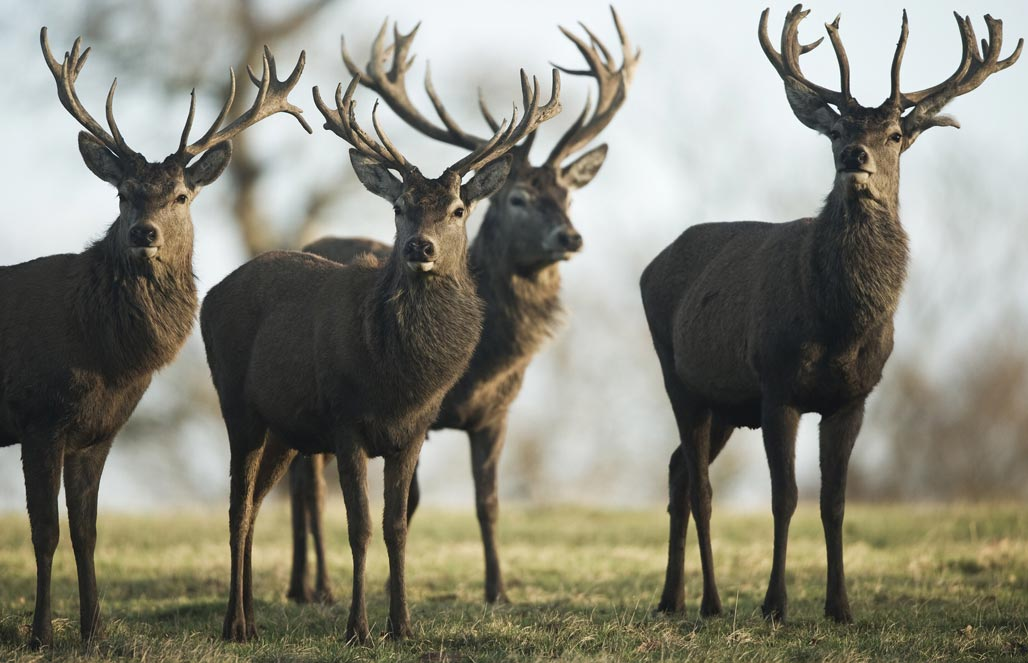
100	160
487	180
914	124
809	108
211	165
375	177
583	169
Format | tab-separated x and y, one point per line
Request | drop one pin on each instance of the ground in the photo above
926	583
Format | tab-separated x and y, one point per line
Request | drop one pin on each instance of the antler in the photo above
392	87
613	85
972	71
343	123
272	97
65	73
787	63
506	137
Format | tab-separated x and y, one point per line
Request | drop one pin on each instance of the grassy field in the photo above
925	584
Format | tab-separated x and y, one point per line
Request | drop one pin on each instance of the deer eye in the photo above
833	134
396	208
459	212
182	199
517	201
896	137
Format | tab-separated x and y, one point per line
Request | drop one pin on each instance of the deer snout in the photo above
420	253
145	239
569	239
856	157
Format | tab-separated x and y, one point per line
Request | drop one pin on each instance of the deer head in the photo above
867	142
431	213
154	224
532	205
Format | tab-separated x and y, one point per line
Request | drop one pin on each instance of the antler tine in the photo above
972	71
342	122
184	140
840	55
628	59
612	83
119	140
897	62
272	97
391	86
65	74
509	134
489	119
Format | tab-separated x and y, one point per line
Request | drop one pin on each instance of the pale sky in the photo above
706	135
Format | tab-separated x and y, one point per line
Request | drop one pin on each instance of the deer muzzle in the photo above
420	254
145	240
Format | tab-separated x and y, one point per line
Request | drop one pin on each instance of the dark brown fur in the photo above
80	340
312	356
755	324
514	261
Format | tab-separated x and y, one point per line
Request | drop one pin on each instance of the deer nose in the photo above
854	156
420	249
144	235
570	239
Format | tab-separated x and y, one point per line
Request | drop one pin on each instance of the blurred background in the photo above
706	135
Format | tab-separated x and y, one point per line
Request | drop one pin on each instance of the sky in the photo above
705	135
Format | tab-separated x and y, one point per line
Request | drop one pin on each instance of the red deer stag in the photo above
309	355
757	323
82	334
514	261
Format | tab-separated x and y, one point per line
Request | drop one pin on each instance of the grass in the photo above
945	583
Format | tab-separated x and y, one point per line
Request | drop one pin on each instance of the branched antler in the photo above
503	141
391	86
972	71
272	97
787	62
613	82
65	74
342	122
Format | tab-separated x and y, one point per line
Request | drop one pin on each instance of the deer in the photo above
526	233
82	334
755	324
312	356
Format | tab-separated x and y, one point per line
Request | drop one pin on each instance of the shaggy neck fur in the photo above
423	326
859	258
136	313
523	309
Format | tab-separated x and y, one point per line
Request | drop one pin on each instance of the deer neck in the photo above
523	307
137	315
425	328
859	257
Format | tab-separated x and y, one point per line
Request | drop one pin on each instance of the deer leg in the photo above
300	476
42	460
82	471
315	510
696	451
273	464
486	445
246	440
414	496
673	597
779	425
838	433
352	462
399	468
